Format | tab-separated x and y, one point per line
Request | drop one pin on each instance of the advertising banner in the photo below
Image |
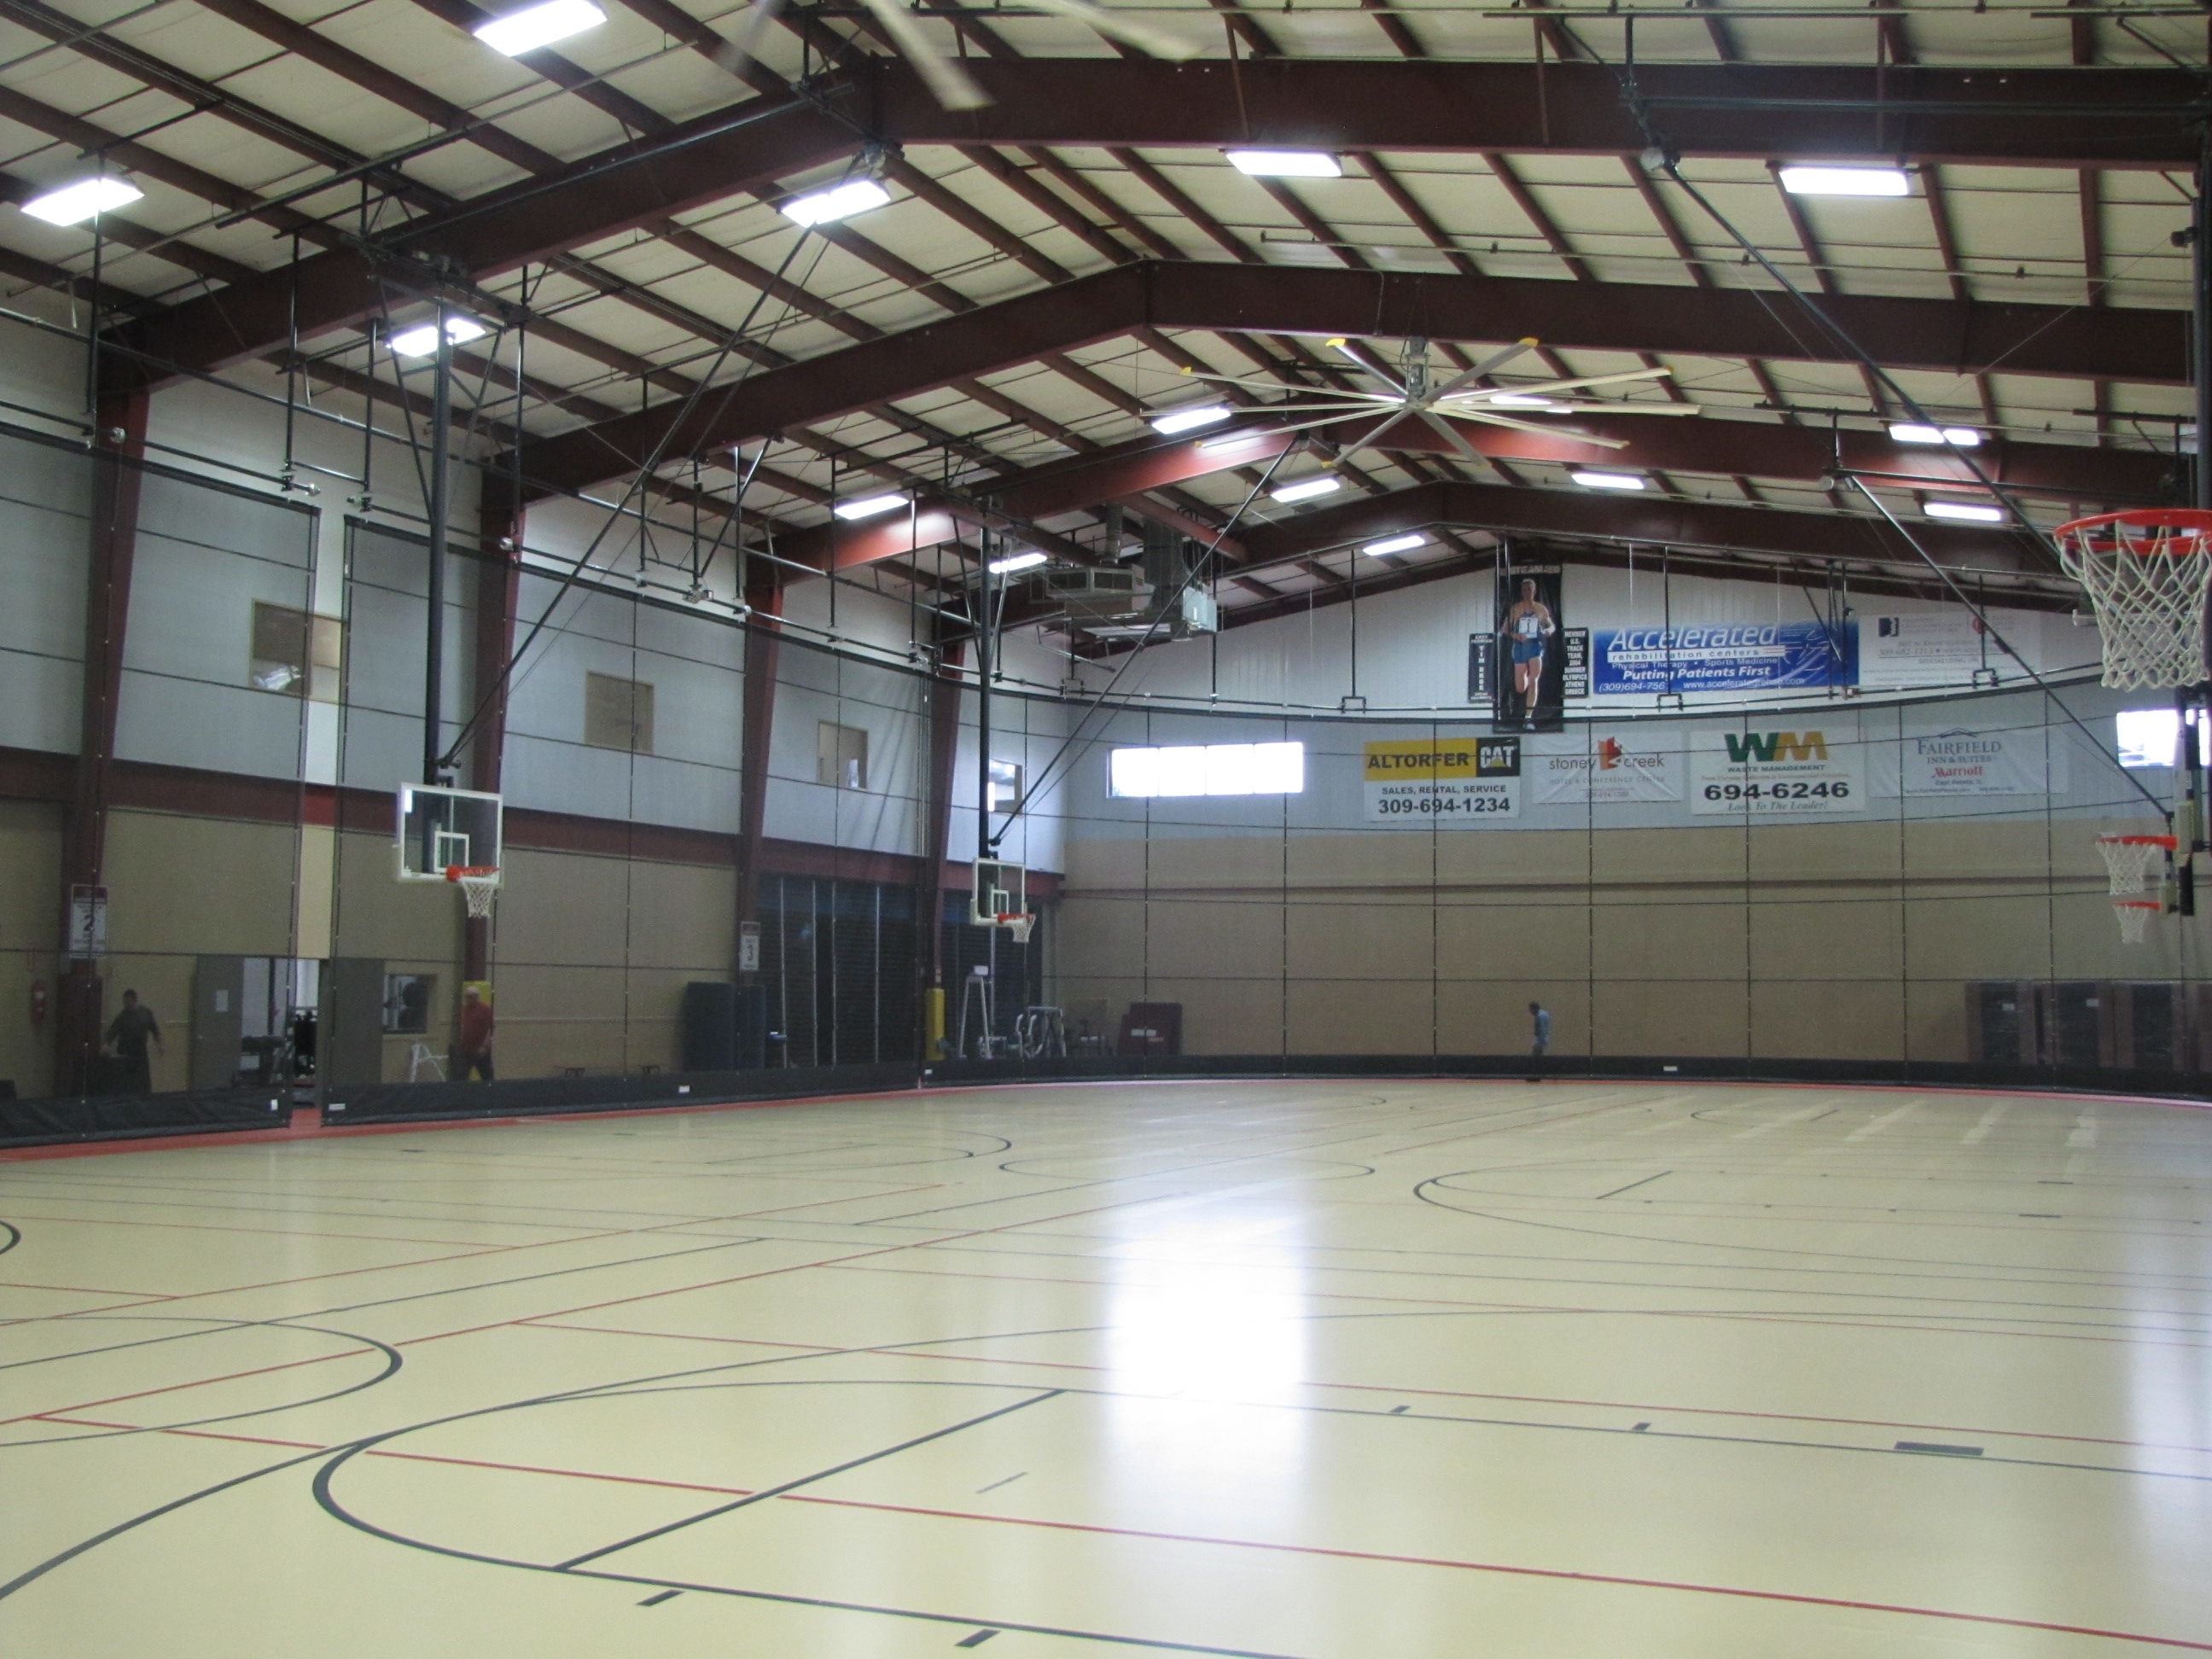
1446	780
1530	680
1934	648
1614	768
1775	774
1960	762
1724	657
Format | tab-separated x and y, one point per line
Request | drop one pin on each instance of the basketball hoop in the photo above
1018	926
2146	573
479	885
2128	860
2134	916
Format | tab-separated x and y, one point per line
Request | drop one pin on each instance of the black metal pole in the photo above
986	661
442	427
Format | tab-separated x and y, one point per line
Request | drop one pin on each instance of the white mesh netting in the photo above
2146	573
1018	926
2134	916
479	891
2128	860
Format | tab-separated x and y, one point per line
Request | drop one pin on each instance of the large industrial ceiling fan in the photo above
952	85
1417	390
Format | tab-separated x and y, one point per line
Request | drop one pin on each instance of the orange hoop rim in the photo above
2138	904
461	873
2195	523
2169	842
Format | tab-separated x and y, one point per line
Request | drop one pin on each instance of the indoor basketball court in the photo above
1351	831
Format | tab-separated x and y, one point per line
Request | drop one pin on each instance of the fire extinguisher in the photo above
38	1002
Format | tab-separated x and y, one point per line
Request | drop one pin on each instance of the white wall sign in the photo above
1933	647
1455	781
1959	761
1808	772
1612	768
88	923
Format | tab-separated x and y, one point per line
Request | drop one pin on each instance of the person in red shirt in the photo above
473	1047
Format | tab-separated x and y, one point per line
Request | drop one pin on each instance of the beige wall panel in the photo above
379	915
1865	851
1104	864
548	1018
681	915
1959	934
199	886
1936	1020
561	908
1849	932
1340	935
1544	936
1837	1020
1976	849
1638	856
1384	858
1479	1016
1683	1016
653	1035
1216	863
1236	938
1099	936
1357	1016
1226	1016
1651	940
1101	999
1507	857
30	925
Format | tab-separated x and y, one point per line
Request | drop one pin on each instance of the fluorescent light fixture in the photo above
1307	490
1912	432
1966	511
1518	400
1845	181
870	506
1607	480
72	204
421	340
1286	163
1014	561
541	25
1217	769
1395	545
1176	420
822	207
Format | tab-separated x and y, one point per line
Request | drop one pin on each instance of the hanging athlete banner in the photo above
1817	773
1613	768
1724	657
1445	781
1530	679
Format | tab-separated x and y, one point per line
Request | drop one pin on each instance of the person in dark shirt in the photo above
472	1044
127	1035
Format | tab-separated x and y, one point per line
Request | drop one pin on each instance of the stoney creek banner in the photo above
1613	768
1453	782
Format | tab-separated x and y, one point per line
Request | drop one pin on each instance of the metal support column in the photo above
442	433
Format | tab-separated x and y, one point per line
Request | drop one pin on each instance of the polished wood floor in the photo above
1334	1371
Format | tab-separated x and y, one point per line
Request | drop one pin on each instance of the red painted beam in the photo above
1941	335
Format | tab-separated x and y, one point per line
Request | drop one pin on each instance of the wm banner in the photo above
1773	774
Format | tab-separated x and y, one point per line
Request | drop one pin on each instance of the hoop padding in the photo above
1018	926
479	885
2146	573
2128	860
2134	916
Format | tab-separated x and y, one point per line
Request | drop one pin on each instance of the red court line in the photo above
1555	1573
179	1388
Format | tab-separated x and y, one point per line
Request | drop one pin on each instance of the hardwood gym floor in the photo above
1336	1371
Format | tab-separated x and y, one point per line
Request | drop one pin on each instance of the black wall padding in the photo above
111	1117
710	1026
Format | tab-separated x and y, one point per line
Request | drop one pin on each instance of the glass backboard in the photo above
442	830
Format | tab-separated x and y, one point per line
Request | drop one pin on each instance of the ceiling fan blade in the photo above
743	46
1458	438
1535	388
949	84
1488	366
1116	27
1574	434
1602	408
1366	359
1368	442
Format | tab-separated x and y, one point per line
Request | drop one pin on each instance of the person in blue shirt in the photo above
1540	1018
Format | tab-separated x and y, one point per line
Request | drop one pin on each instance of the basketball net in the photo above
479	885
1018	926
2128	860
2134	916
2146	573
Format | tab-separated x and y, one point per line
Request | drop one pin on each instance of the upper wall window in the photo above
840	755
2148	737
1214	768
296	653
1006	786
618	714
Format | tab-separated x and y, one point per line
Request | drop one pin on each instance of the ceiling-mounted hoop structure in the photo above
2146	571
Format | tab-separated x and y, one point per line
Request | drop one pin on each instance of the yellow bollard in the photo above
932	1010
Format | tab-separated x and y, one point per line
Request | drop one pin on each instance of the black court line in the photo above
1633	1185
1938	1447
976	1640
655	1601
10	1236
995	1485
804	1481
